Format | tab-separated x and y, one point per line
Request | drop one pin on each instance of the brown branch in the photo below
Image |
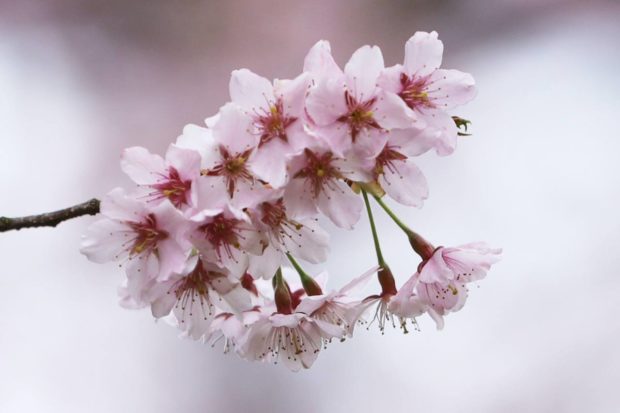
50	219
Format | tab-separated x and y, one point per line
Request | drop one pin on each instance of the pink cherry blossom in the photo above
227	159
227	328
399	177
463	264
318	184
347	108
277	114
153	238
196	295
225	236
170	178
281	234
429	91
293	339
340	308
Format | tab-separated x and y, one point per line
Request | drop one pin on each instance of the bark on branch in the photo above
50	219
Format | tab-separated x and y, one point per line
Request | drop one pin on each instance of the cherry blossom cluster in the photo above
212	236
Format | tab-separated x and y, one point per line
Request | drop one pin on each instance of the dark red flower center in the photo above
147	235
232	168
319	171
359	115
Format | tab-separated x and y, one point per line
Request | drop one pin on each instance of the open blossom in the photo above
153	238
318	184
171	178
347	108
277	118
398	176
429	91
196	295
293	339
225	236
443	276
340	308
226	160
209	232
283	233
465	263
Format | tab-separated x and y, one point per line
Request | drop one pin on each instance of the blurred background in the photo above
81	80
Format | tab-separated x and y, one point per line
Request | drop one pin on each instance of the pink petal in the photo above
293	94
390	112
298	199
103	240
389	79
325	102
269	162
423	52
362	71
435	270
233	130
117	205
404	183
451	88
250	91
319	61
141	166
185	161
340	204
412	142
310	243
196	138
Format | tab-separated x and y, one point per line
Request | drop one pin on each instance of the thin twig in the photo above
50	219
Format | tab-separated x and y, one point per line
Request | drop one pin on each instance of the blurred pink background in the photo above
81	80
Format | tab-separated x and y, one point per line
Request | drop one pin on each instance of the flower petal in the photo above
405	183
143	167
250	91
362	71
423	52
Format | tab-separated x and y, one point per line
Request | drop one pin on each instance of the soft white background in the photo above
540	177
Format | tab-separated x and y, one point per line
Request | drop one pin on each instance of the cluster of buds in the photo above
212	236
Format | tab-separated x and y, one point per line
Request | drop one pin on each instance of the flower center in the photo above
193	290
318	171
232	168
385	160
414	92
174	188
147	235
223	233
273	124
359	116
274	216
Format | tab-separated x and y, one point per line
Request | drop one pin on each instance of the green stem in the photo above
422	247
310	285
392	215
375	237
